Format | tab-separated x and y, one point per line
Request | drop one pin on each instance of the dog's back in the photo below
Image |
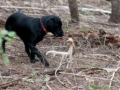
16	19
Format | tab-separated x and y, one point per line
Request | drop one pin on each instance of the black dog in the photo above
32	30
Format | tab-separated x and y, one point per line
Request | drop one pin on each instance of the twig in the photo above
86	9
100	55
12	83
105	39
107	24
16	7
68	81
86	76
27	80
114	74
75	79
96	10
57	71
90	46
68	63
48	86
20	7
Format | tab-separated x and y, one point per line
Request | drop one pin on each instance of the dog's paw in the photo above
45	62
34	61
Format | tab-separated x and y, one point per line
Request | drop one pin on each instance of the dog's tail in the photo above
3	45
19	10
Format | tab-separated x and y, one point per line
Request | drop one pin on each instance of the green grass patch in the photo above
65	27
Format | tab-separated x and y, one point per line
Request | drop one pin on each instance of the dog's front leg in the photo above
39	55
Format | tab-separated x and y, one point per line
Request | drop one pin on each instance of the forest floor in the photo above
95	65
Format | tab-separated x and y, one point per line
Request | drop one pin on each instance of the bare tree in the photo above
74	10
115	15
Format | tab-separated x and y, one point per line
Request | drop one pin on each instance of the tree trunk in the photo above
74	10
115	13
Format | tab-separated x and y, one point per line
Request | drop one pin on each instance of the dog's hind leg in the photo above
30	53
33	60
39	55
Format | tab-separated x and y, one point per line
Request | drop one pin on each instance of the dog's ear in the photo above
50	22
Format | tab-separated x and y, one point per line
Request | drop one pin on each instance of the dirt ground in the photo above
93	67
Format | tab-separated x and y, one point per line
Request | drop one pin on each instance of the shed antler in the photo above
69	53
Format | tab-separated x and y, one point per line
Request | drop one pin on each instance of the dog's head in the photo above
54	25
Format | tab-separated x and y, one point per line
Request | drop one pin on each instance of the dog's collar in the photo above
44	29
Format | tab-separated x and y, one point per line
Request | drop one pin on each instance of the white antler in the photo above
69	53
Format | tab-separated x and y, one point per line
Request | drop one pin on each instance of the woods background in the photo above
95	65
